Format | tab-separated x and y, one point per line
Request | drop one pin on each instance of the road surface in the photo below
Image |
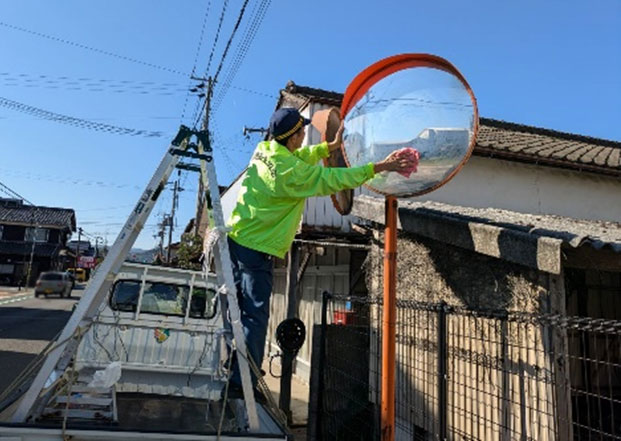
26	327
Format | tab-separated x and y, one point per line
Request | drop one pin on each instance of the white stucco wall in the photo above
229	198
525	188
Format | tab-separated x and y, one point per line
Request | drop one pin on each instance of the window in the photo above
163	298
203	304
6	268
160	298
125	296
37	234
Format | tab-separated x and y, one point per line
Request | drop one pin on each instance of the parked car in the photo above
53	282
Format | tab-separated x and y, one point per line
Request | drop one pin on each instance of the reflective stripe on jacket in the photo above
270	203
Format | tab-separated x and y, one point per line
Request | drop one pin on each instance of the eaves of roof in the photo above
532	240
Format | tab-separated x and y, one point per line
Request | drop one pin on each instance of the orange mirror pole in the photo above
389	321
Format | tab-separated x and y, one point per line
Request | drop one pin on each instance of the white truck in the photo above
151	366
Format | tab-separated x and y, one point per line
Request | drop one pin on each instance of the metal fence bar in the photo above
468	374
325	298
442	372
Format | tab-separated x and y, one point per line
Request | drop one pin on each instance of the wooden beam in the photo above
560	360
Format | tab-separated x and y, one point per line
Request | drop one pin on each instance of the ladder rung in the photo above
91	390
78	413
95	401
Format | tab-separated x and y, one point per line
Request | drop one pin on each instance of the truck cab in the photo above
165	328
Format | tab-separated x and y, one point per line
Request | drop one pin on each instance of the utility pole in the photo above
160	234
200	202
32	247
97	239
77	251
171	218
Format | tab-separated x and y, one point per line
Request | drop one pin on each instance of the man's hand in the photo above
338	139
394	162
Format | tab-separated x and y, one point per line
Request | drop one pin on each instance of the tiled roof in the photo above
505	140
532	144
44	216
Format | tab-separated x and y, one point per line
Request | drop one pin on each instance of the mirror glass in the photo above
419	110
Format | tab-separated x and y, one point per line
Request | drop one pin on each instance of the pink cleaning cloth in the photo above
410	153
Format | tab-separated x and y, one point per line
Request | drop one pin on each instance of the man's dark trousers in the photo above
254	274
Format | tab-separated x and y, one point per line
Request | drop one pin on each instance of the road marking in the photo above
23	346
16	299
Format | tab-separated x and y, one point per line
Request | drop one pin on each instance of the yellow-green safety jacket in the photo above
270	203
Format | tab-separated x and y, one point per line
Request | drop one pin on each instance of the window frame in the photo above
137	310
33	231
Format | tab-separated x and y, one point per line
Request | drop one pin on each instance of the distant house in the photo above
32	240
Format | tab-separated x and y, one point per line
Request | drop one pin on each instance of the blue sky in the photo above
552	64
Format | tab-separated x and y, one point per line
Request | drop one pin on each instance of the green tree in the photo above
190	250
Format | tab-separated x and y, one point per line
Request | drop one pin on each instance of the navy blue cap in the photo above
285	122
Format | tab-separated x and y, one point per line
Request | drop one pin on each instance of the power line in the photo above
242	49
228	43
197	109
76	122
226	49
92	49
9	191
198	50
103	208
29	77
103	85
70	181
217	137
200	38
254	92
89	235
250	32
92	87
215	41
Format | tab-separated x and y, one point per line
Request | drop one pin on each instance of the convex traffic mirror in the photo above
417	104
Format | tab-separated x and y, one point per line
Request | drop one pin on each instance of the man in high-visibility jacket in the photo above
270	205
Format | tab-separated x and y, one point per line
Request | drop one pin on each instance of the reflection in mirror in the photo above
420	108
